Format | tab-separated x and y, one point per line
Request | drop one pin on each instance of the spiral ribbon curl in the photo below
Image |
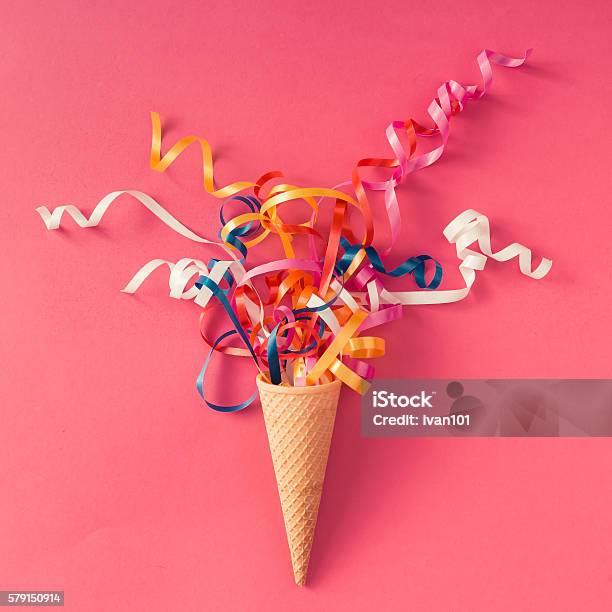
305	327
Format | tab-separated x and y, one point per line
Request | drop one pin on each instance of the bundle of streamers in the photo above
307	320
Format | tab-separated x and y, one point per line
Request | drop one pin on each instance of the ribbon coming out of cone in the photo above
304	320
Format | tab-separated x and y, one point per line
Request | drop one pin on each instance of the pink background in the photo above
117	484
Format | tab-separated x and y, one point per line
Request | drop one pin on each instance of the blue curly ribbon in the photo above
273	360
413	265
228	277
233	236
219	294
202	375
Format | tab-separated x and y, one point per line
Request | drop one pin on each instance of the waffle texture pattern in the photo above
300	423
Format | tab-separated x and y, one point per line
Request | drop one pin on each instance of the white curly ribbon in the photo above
182	273
465	230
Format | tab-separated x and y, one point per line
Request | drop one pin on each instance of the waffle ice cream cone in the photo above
300	423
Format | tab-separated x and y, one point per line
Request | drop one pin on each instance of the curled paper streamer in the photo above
52	219
466	229
301	320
